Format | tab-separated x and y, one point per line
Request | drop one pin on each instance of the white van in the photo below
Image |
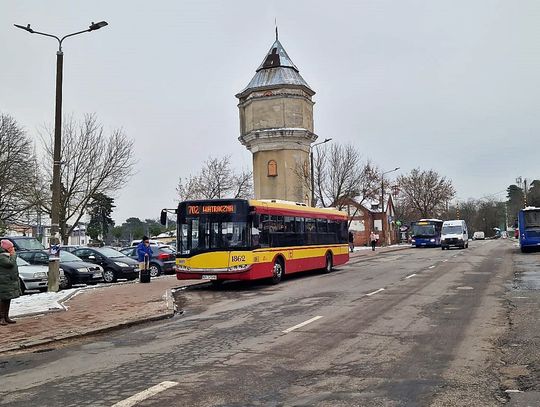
454	233
479	236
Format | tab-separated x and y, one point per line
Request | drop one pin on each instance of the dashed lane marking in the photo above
309	321
412	275
145	394
375	292
431	267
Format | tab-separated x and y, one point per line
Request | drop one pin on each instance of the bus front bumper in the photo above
247	273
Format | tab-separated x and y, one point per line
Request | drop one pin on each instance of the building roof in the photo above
276	69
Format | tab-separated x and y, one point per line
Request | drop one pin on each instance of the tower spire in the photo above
275	23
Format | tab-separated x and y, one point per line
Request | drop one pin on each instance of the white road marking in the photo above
145	394
445	260
412	275
431	267
309	321
375	292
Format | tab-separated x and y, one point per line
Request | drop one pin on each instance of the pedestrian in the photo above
9	280
373	239
351	241
144	253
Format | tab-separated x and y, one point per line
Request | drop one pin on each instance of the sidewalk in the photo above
93	310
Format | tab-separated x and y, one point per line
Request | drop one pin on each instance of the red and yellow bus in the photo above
236	239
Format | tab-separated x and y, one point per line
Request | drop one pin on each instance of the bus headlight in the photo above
432	240
240	267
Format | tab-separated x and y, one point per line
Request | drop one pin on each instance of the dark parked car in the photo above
163	259
76	271
69	247
115	264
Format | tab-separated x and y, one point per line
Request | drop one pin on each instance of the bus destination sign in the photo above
209	209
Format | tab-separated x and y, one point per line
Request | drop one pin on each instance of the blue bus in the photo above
529	228
426	233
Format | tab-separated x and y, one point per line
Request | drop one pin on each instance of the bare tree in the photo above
92	163
426	191
17	172
216	180
341	176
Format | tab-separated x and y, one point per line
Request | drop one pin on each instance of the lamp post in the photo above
385	218
56	182
326	140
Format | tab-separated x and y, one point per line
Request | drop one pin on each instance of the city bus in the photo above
237	239
529	228
426	233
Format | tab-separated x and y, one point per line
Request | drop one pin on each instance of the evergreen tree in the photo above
100	210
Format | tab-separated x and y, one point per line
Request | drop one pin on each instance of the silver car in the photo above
34	277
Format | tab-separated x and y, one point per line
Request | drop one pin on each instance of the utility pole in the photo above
54	260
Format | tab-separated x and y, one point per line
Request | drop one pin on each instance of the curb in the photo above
127	324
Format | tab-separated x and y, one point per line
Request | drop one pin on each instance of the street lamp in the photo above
326	140
56	182
385	218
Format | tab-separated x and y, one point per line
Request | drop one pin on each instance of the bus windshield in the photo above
423	230
532	219
207	233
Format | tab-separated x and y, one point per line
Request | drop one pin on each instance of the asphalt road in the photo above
416	327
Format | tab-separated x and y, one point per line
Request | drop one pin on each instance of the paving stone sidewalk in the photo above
95	310
366	253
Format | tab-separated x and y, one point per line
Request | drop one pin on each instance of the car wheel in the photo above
278	271
467	245
23	287
155	270
109	276
66	283
329	265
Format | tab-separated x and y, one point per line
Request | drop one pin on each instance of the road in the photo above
416	327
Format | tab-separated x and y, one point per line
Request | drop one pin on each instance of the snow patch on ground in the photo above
41	302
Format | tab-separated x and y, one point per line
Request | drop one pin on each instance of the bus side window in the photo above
264	230
311	231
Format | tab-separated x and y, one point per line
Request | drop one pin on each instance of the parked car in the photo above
115	264
163	259
23	243
34	277
76	271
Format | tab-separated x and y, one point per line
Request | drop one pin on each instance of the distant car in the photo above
34	277
153	242
23	243
76	271
115	264
163	259
479	236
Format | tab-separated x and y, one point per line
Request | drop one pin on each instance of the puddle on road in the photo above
528	280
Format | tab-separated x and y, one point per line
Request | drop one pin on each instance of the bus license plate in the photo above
209	277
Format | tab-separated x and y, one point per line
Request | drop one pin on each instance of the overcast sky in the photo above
448	85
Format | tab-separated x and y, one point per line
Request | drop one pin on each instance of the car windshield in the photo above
67	257
111	253
452	230
29	244
22	262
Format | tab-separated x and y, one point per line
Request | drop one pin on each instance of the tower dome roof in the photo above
276	69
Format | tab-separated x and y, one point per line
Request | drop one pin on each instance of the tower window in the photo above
272	168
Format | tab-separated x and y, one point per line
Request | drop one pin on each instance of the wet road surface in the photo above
410	328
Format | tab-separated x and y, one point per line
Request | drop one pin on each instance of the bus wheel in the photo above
277	272
329	263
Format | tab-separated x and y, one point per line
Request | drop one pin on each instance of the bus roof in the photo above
296	208
430	220
531	208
